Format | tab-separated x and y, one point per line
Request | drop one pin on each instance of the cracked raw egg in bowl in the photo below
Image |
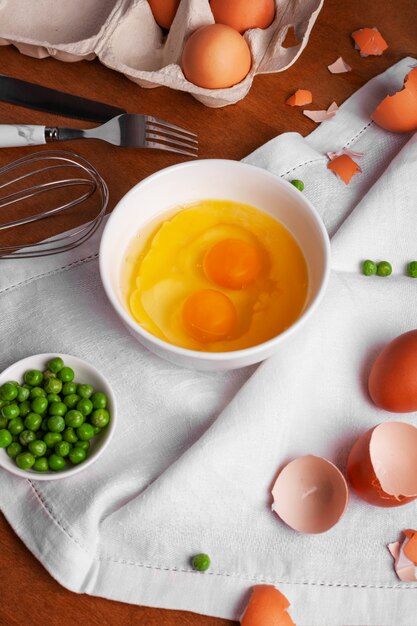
212	264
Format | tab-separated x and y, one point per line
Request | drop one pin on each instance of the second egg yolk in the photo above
208	315
232	263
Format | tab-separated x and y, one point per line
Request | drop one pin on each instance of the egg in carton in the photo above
125	37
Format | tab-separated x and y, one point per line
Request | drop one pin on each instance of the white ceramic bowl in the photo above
213	179
84	372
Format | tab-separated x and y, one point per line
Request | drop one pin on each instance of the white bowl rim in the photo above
108	435
201	354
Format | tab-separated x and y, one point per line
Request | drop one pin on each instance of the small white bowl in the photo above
224	180
84	373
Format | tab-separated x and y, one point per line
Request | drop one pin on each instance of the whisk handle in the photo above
14	135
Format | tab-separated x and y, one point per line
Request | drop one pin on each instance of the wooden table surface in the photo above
29	595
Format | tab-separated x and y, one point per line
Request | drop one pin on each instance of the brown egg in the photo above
382	465
310	494
398	112
164	11
243	14
216	57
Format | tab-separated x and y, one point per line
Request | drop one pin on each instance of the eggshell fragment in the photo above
310	494
243	14
382	464
369	42
344	167
266	607
300	98
322	115
398	112
339	67
405	557
216	57
392	382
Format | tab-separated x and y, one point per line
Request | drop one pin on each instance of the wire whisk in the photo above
48	164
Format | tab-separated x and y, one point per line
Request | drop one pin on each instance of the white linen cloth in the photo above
195	454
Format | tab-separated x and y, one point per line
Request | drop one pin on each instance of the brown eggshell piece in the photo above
398	112
310	494
392	381
379	465
243	14
300	98
410	549
266	607
344	167
216	57
369	41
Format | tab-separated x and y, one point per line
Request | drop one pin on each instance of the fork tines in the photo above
166	136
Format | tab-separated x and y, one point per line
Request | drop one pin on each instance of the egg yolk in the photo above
208	315
232	263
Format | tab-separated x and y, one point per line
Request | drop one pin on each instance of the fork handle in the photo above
14	135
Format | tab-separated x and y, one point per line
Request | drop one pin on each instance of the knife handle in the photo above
14	135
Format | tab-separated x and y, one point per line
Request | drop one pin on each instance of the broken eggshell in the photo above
300	98
310	494
382	465
267	606
344	167
369	42
398	113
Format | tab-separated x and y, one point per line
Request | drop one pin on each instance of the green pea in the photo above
55	462
74	418
99	400
200	562
33	378
85	432
51	439
298	184
3	402
71	400
69	388
85	406
16	426
37	447
58	408
384	268
5	438
84	390
53	397
10	411
100	418
412	269
66	375
8	391
369	267
97	430
70	435
3	422
77	455
85	445
25	460
22	394
44	424
33	421
56	424
56	365
24	408
62	448
39	405
47	374
53	385
14	449
37	392
26	436
41	464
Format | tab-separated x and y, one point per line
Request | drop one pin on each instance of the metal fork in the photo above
128	130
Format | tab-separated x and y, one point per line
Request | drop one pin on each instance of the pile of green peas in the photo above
49	420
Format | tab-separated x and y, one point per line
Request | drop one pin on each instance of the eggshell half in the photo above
398	113
243	14
392	381
266	607
216	57
310	494
382	465
300	98
344	167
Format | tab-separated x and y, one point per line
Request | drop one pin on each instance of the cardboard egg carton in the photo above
124	36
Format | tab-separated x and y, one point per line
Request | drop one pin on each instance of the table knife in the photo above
49	100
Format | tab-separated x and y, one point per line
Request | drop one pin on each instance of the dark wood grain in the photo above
28	594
